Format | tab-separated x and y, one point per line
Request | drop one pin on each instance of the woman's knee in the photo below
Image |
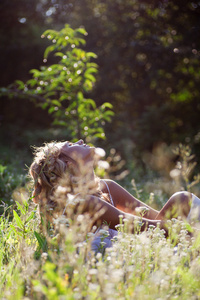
181	202
181	197
177	205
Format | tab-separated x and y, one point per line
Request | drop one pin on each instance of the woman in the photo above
72	163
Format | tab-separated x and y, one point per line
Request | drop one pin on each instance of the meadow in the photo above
58	263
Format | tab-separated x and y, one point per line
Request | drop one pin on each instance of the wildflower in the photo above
90	234
125	220
102	164
44	255
119	226
175	173
103	232
117	275
80	218
93	272
93	286
99	255
151	226
100	152
141	210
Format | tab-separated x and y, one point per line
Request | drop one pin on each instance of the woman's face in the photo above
78	151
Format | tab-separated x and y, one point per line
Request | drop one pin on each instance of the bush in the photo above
62	87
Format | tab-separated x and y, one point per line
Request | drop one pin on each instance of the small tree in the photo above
61	87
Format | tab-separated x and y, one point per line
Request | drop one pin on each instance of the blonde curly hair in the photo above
50	164
52	168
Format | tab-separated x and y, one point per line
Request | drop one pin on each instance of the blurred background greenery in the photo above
148	57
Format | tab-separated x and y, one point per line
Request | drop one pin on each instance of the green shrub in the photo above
9	181
63	86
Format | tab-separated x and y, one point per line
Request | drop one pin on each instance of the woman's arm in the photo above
124	201
103	212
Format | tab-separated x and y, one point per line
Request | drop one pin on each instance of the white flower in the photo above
92	272
99	255
100	152
141	209
80	218
90	234
104	232
175	173
93	286
102	164
117	275
44	255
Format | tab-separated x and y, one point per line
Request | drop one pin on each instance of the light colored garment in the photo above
194	213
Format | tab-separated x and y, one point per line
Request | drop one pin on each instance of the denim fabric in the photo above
103	240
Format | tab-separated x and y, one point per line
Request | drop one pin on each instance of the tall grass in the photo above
59	263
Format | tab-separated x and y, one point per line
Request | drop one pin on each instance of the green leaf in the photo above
56	102
91	70
35	72
90	77
80	96
51	110
81	41
20	84
64	97
18	220
32	82
41	241
13	229
49	50
82	31
87	85
91	54
60	123
59	54
44	105
100	135
20	207
31	216
182	96
107	118
91	65
50	34
107	105
91	102
2	169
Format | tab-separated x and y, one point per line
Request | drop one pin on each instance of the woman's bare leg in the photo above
178	205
